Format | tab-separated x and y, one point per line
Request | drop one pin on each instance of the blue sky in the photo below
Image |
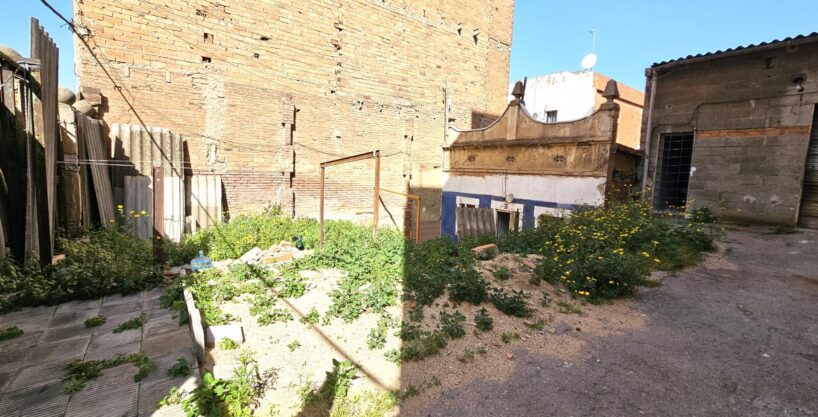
552	36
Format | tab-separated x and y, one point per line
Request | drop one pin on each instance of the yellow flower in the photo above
610	282
143	212
657	260
119	206
111	221
136	216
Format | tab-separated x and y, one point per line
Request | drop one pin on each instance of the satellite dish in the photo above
589	61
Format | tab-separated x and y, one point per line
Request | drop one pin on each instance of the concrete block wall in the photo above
751	128
360	74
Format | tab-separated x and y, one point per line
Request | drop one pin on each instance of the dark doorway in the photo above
675	154
503	221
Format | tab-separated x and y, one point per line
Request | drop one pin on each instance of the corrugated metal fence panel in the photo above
809	198
44	49
92	130
474	221
174	217
139	199
204	194
144	148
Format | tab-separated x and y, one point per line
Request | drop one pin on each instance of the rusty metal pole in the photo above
377	192
158	213
321	211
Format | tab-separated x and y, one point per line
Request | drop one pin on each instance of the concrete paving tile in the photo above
112	352
174	410
12	359
165	362
66	350
118	299
114	393
159	312
72	317
160	325
111	322
121	308
151	304
56	334
5	378
150	393
153	294
34	374
34	401
167	343
30	324
17	317
79	305
24	341
103	341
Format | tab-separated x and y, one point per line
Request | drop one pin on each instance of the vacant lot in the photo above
734	336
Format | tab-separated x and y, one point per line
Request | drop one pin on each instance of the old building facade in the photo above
566	96
519	168
264	92
735	131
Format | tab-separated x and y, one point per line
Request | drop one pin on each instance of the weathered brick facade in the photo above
344	77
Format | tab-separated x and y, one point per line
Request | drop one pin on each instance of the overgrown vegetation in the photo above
215	397
98	263
10	333
78	373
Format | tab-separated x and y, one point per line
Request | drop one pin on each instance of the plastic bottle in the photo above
201	262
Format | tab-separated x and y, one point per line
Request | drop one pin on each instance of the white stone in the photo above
233	332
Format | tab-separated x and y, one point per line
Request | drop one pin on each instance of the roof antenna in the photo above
589	60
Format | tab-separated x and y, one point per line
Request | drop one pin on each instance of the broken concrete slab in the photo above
252	255
72	317
57	334
234	332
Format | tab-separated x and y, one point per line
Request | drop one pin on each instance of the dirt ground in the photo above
734	336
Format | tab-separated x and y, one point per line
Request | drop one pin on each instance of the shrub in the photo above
467	285
602	253
101	262
10	333
703	215
95	321
513	304
483	321
452	324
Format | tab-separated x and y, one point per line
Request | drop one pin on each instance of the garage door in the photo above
809	199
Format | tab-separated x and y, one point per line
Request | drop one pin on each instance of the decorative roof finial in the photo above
518	92
611	91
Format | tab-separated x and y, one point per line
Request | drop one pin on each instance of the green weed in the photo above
180	367
228	344
10	333
508	337
132	324
568	308
502	274
95	321
452	324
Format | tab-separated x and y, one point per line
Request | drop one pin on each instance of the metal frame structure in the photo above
417	209
376	154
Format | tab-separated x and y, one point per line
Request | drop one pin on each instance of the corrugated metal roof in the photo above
736	49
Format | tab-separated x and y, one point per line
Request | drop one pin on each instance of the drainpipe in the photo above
649	130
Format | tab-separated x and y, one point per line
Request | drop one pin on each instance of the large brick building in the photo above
264	91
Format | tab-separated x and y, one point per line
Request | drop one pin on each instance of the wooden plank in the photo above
85	176
204	194
92	131
174	207
158	213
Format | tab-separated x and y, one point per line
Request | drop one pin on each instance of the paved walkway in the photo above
31	366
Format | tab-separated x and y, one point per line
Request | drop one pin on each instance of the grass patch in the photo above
566	307
180	368
501	274
78	373
467	356
233	397
95	321
313	317
535	325
132	324
10	333
228	344
292	346
508	337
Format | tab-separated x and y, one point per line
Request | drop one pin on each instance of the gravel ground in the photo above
734	336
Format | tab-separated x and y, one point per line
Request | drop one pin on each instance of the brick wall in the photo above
751	129
359	74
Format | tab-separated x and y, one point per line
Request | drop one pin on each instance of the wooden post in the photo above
417	220
321	211
377	192
158	213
